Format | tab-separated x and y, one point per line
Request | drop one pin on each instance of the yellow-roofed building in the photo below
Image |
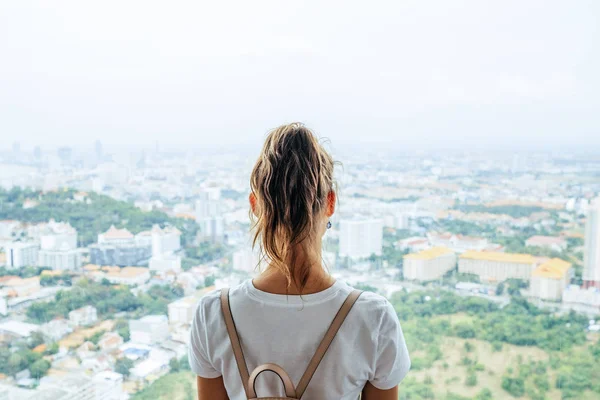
494	266
549	280
429	264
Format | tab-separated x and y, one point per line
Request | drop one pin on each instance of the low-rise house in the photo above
555	243
84	316
110	341
149	329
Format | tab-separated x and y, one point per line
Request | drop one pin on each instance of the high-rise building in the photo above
167	240
208	214
360	238
591	257
58	242
21	254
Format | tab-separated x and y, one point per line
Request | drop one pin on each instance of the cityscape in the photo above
491	259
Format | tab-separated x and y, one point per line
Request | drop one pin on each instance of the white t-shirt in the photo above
286	330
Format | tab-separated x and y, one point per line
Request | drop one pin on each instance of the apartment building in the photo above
429	264
493	266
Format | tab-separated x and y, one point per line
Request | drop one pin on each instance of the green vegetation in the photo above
512	210
108	300
203	253
63	279
89	219
429	317
25	272
20	356
123	365
174	386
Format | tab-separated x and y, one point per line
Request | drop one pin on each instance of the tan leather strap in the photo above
327	339
290	391
235	341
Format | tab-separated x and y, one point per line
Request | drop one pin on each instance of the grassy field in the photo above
465	370
174	386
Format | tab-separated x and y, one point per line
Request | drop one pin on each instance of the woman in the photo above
282	315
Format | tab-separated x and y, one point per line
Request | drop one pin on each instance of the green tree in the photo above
471	379
123	365
174	365
39	368
514	386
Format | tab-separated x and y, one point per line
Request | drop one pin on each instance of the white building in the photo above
167	240
458	243
548	242
245	259
57	329
549	280
16	330
83	316
21	254
149	329
182	311
428	265
591	257
360	238
209	215
497	267
574	295
54	235
60	259
105	385
108	385
58	245
165	262
413	244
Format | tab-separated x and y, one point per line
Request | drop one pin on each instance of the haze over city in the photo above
406	75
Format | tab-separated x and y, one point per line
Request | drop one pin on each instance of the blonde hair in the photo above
291	181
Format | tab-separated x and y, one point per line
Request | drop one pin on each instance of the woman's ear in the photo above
331	198
252	200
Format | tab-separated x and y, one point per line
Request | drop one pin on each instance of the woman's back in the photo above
286	330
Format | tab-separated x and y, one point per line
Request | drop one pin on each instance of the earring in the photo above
328	224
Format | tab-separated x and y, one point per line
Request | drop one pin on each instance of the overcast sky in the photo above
399	73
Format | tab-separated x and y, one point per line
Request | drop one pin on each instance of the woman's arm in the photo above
214	389
370	392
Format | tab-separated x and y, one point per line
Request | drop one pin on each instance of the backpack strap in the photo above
235	341
327	339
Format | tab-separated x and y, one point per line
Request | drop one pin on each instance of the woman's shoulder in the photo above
210	302
375	308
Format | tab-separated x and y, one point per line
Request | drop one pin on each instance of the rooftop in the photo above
546	240
114	233
553	269
429	254
498	257
19	328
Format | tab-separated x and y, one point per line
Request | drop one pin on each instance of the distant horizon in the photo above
407	75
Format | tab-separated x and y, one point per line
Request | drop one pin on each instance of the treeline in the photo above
107	299
88	219
519	323
514	211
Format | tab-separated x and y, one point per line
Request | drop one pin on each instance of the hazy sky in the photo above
399	73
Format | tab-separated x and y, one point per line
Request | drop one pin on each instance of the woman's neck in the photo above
274	281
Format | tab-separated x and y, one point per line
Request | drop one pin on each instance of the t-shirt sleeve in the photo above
392	363
197	354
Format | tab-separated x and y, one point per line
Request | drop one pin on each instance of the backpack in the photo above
291	392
